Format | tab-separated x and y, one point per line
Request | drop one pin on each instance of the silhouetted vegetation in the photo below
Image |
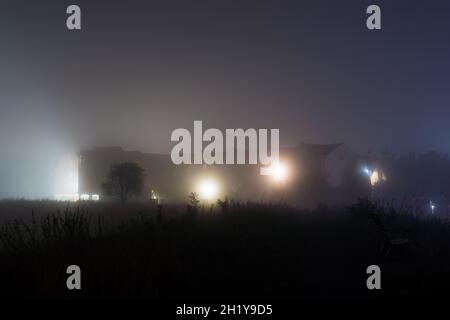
124	180
241	250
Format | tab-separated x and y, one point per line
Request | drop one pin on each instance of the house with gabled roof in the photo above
331	162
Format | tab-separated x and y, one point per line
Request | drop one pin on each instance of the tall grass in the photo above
229	251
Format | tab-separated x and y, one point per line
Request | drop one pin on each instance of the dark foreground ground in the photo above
234	251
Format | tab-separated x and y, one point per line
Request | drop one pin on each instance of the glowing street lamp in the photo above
208	189
375	176
279	172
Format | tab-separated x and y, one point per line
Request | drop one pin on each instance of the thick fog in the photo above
140	69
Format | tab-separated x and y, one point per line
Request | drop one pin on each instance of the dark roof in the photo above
319	149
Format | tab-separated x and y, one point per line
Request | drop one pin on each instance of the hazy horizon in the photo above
139	70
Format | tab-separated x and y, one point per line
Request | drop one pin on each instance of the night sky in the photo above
140	69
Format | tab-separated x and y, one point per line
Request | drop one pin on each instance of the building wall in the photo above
337	164
168	180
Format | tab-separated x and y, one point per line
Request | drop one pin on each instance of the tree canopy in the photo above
124	180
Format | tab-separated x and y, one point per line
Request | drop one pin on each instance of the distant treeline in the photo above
426	174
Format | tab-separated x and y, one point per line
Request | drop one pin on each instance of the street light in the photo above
208	189
375	176
278	171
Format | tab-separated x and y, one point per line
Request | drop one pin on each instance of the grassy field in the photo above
232	251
